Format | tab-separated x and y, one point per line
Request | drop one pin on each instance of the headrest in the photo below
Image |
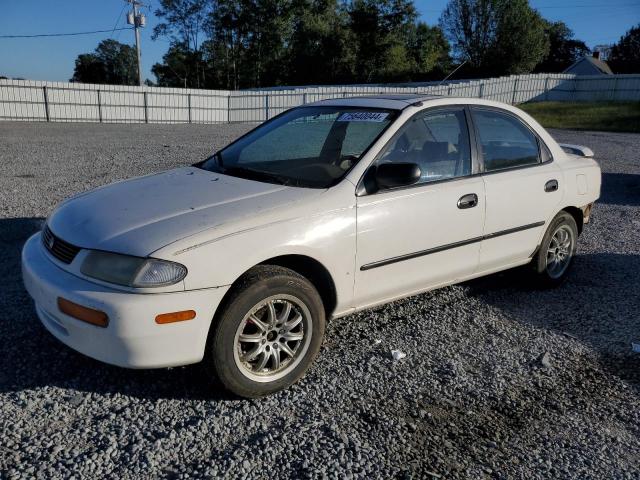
437	150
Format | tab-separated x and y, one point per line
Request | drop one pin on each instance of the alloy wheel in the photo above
560	251
272	338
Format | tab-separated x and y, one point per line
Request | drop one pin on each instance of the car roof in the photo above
387	101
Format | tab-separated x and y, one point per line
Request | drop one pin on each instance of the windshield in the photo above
306	146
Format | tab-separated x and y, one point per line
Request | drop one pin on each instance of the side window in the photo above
437	141
505	141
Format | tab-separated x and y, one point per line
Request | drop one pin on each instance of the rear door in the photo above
417	237
521	184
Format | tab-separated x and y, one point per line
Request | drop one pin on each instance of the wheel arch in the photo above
315	272
577	215
308	267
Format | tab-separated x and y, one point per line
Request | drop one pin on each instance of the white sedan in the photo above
326	209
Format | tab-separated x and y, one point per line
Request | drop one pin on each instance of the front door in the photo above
413	238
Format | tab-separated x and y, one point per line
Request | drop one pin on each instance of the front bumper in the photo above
132	339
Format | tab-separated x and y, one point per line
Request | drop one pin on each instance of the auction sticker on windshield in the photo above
363	117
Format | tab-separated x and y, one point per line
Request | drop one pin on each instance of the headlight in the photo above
132	271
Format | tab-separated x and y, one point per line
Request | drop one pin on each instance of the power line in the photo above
118	19
63	34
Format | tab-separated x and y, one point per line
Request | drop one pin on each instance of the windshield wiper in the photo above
252	174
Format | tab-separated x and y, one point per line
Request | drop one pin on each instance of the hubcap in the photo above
560	251
272	338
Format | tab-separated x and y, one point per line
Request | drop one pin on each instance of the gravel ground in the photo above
500	381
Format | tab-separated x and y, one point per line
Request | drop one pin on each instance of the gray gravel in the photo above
499	381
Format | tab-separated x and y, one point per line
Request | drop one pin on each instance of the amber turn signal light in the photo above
86	314
175	316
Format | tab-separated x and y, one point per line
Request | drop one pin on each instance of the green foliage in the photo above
183	23
495	37
381	29
257	43
429	50
564	50
322	45
248	42
625	55
112	63
181	67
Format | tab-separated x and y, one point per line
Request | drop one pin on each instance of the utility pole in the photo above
138	20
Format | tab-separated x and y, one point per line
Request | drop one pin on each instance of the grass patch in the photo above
603	116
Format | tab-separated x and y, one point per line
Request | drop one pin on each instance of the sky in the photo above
593	21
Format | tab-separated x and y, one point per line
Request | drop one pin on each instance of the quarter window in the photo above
505	141
437	141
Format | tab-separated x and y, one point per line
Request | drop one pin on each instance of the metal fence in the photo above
25	100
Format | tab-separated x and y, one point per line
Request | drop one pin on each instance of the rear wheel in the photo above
268	333
553	260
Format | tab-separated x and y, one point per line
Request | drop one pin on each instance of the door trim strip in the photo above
429	251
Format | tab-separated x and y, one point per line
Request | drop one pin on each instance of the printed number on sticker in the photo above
363	117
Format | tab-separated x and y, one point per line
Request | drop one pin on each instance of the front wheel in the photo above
268	333
552	262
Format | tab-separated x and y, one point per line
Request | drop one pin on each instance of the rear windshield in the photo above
306	146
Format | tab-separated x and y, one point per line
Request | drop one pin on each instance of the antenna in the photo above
457	68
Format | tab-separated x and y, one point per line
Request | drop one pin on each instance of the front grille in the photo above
63	251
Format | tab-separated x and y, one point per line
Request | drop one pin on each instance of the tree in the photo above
321	49
184	21
429	51
382	29
112	63
184	24
181	67
89	69
228	31
256	43
268	26
249	41
625	55
496	37
564	50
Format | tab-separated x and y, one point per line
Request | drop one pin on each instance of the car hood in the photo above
141	215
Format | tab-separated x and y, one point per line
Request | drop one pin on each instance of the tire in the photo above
562	238
268	333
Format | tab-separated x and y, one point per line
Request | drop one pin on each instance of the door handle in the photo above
551	186
469	200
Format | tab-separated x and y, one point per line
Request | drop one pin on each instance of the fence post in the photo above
146	112
266	107
546	88
99	107
46	103
480	93
304	98
229	108
615	86
515	89
189	106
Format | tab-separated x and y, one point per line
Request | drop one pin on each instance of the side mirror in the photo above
391	175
